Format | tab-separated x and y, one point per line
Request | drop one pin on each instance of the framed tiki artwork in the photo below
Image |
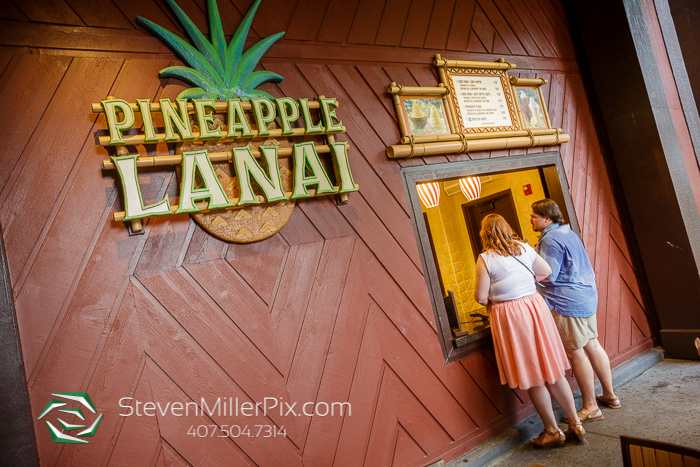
425	115
531	106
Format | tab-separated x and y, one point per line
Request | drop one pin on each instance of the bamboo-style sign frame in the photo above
462	139
534	85
203	206
219	106
214	157
192	121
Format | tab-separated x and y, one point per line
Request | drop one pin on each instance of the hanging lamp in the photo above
471	187
429	194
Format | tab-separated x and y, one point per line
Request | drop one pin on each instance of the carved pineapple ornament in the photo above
251	223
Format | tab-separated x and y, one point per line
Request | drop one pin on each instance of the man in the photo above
571	293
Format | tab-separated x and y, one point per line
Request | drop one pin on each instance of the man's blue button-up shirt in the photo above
572	291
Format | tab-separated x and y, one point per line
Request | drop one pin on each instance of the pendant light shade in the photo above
429	194
471	187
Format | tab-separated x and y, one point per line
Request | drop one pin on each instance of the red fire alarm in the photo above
527	189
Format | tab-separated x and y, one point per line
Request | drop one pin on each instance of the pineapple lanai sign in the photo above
234	156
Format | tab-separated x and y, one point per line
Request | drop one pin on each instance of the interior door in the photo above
498	203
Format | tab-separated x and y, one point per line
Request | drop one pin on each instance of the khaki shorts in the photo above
576	332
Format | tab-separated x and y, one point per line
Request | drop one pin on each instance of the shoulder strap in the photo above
530	270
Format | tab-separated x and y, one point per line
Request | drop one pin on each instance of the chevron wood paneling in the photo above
334	308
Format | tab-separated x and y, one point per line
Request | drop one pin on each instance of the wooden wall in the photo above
333	308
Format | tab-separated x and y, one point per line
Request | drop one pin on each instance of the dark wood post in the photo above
644	147
17	443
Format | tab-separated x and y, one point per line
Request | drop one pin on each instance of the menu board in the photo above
481	101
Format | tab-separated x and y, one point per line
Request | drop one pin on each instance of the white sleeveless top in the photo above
509	278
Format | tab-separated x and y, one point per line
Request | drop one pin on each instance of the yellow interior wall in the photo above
451	237
515	182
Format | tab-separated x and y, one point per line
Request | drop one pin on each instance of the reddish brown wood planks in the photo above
76	338
461	25
104	14
54	263
319	318
20	80
341	361
334	308
483	28
58	12
438	33
533	25
306	20
393	24
180	356
10	11
273	16
49	156
504	28
148	9
336	27
515	20
260	264
417	23
366	22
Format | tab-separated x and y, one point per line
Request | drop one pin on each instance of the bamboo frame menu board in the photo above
483	99
475	107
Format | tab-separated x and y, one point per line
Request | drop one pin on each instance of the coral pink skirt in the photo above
528	348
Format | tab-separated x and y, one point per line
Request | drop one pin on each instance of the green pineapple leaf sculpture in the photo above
217	71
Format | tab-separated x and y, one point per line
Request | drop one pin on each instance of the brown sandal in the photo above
613	403
539	442
588	417
575	431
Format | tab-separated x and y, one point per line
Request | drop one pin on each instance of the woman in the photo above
528	348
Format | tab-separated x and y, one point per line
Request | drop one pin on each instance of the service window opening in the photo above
452	210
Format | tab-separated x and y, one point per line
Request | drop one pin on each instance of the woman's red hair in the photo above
497	236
